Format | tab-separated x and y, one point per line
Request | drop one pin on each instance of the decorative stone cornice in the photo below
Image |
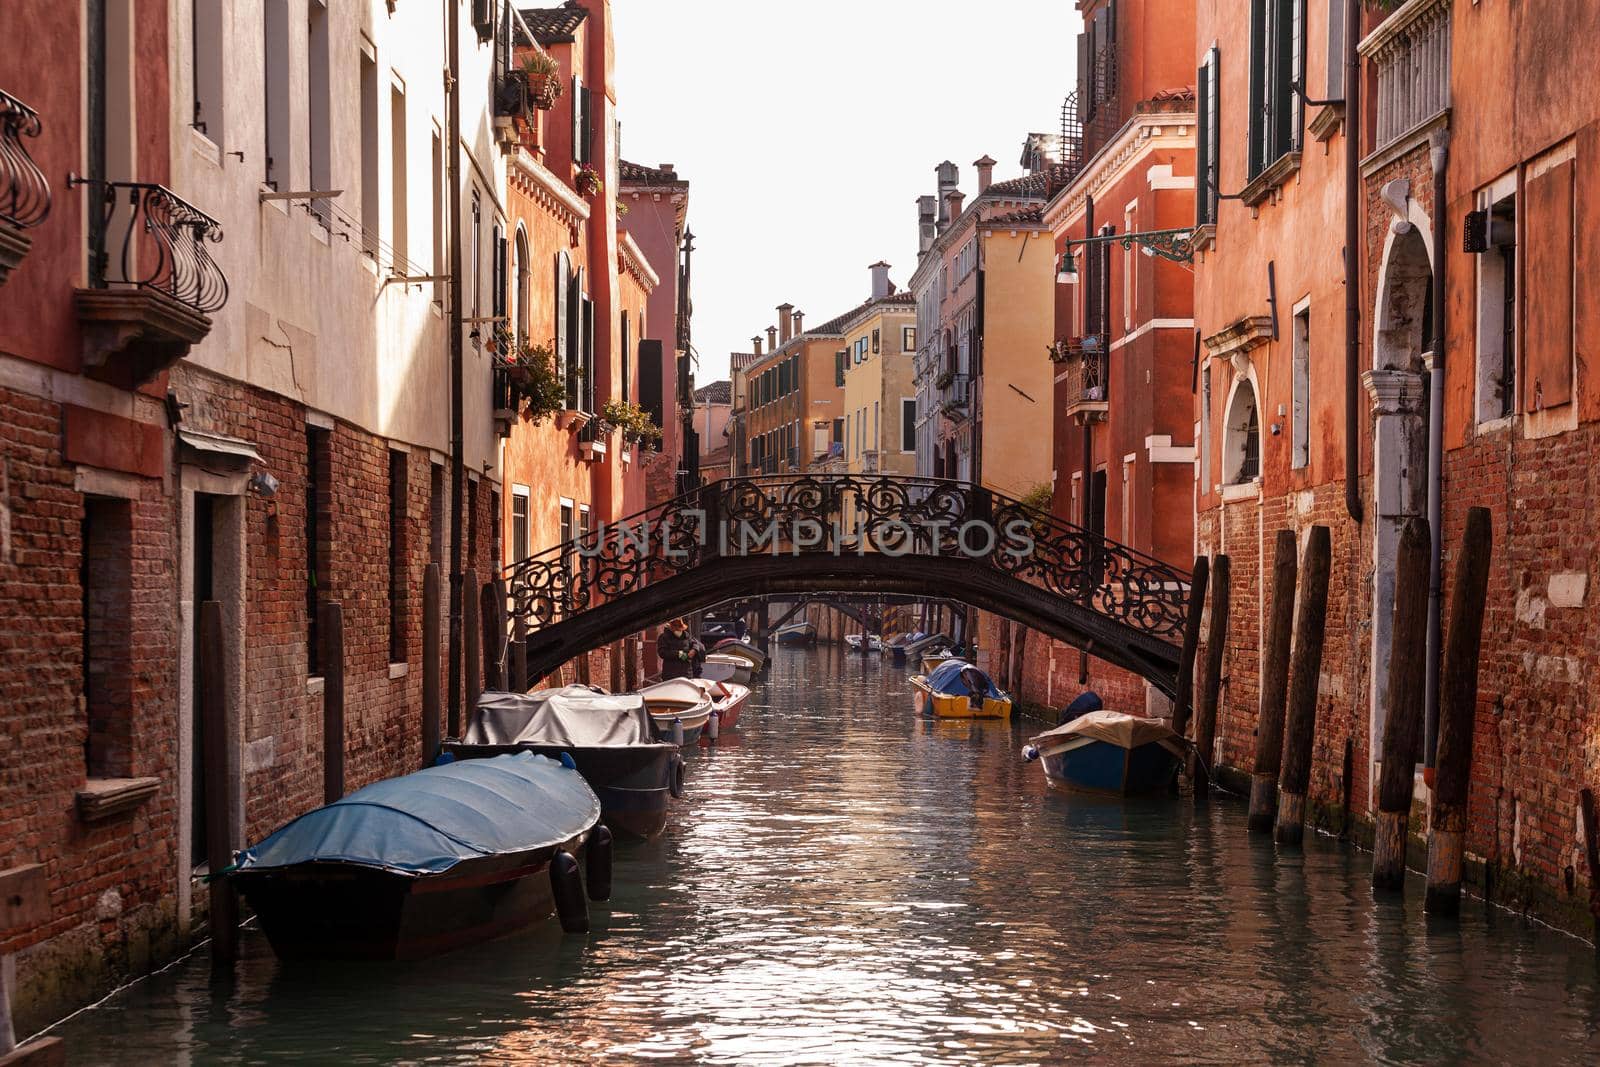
552	194
1392	30
1393	392
631	260
1237	340
1143	133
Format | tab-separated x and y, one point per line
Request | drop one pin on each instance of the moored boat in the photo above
422	864
958	690
1109	752
797	633
727	700
722	667
674	701
855	642
609	736
932	661
742	648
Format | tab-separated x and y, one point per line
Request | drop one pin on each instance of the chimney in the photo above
927	222
772	338
952	202
880	280
799	316
949	178
755	344
785	323
985	173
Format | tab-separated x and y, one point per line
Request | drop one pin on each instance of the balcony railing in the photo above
24	194
145	236
1087	381
1411	52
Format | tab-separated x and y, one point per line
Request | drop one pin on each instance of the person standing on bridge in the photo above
679	650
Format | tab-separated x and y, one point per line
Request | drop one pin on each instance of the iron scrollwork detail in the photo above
148	237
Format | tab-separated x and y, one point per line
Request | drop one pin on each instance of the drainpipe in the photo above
1439	156
1352	268
1089	275
458	473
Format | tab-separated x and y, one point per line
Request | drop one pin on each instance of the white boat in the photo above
727	699
722	667
677	700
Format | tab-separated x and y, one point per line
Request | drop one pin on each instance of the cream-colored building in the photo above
880	400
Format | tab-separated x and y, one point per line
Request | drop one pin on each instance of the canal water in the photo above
847	884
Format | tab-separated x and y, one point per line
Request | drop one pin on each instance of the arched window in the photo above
1241	437
563	281
520	287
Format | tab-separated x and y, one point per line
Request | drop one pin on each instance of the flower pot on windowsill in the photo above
544	90
587	183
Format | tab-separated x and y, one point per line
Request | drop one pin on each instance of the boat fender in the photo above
1030	753
597	863
675	781
568	762
713	725
566	886
677	732
444	758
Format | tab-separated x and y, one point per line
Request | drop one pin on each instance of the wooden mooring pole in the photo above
493	607
330	625
1591	849
1305	669
1183	701
472	661
1458	699
430	664
517	657
216	776
1274	686
1205	720
1402	723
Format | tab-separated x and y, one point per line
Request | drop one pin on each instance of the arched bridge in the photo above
787	534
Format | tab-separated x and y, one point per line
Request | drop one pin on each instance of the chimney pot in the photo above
772	338
880	280
985	167
799	316
785	323
953	201
755	343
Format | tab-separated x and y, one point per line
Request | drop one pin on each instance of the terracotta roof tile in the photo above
554	25
714	393
639	174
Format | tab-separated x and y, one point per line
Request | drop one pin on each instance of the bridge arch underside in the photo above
974	583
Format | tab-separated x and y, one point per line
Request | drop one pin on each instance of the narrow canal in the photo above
848	884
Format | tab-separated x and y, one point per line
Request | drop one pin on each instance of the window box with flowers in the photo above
634	421
587	182
543	75
530	387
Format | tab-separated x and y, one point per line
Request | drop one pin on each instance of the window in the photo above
563	269
319	145
627	358
1300	392
1130	265
838	431
1206	142
1241	443
1548	309
520	529
582	123
319	536
499	289
783	378
275	71
1496	226
1277	60
522	289
908	424
206	63
568	530
875	343
397	176
587	385
399	544
839	359
1333	87
877	439
475	265
369	151
908	338
108	671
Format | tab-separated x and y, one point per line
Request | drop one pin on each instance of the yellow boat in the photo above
932	661
958	690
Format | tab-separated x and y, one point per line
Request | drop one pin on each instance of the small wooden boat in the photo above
609	736
677	700
727	700
874	643
958	690
1109	752
422	864
932	661
855	642
741	647
721	667
797	633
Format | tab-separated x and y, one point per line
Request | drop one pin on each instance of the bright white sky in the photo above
807	132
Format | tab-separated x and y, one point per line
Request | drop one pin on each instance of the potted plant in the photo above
633	420
543	75
587	182
536	388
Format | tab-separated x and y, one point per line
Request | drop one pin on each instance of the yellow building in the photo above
878	434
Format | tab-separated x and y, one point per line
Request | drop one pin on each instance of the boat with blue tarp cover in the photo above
608	735
1109	752
422	864
958	690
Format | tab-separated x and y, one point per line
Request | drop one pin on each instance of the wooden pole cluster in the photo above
1305	670
430	664
1458	698
215	779
517	657
1183	701
330	625
492	608
1274	686
1402	724
470	655
1205	722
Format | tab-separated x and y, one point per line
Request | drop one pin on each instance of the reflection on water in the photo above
847	884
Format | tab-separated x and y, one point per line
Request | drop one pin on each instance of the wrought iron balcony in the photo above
1083	361
153	282
24	194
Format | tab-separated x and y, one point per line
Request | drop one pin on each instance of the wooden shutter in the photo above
651	366
627	359
1083	77
1214	128
1335	80
588	126
501	249
1297	72
1258	85
1547	297
561	291
1202	143
577	119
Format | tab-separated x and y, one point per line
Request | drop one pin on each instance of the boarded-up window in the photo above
1547	304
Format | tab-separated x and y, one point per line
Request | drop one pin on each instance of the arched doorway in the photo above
1397	386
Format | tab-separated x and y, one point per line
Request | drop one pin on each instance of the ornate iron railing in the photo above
24	194
1087	370
148	237
898	516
